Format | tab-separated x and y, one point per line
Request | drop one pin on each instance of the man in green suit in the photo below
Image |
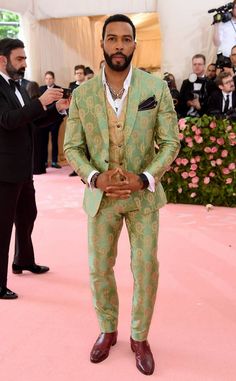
115	122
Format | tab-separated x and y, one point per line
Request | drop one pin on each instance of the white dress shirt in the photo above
18	94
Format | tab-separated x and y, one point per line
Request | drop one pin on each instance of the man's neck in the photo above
116	78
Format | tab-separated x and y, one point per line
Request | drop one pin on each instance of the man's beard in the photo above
118	67
14	73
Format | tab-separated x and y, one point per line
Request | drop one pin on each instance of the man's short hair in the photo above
199	56
221	76
9	44
118	18
77	67
49	72
233	48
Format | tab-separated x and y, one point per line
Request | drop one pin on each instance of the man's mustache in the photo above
118	54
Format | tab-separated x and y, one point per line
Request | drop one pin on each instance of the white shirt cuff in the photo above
151	180
90	177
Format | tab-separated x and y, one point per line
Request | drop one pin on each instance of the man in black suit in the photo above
193	91
224	99
52	128
79	73
17	194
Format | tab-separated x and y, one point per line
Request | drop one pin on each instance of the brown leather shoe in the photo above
144	358
102	346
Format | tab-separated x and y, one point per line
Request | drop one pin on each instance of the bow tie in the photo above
14	84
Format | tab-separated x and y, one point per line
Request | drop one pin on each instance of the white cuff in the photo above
90	177
151	180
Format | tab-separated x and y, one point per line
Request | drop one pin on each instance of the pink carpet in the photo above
48	332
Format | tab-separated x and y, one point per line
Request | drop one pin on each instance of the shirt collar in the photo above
127	80
5	76
225	94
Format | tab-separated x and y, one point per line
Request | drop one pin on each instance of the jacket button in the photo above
106	161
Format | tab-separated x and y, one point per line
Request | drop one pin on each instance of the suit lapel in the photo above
9	93
132	104
100	109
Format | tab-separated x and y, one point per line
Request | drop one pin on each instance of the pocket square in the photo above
148	104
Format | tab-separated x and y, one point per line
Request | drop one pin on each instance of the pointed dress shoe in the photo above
5	293
101	348
144	358
36	269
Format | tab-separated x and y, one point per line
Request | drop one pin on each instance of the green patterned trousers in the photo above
103	233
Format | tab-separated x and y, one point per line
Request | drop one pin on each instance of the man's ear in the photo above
220	87
3	60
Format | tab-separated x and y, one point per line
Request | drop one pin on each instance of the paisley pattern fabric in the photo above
89	130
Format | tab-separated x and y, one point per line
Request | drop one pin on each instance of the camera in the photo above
223	62
66	93
223	13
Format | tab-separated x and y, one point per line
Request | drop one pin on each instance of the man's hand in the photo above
50	96
194	103
123	188
63	104
113	177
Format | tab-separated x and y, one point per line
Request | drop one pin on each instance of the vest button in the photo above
118	125
106	161
121	163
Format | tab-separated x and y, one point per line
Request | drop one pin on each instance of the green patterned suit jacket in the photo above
87	131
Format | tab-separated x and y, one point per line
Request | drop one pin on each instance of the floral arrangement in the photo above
205	170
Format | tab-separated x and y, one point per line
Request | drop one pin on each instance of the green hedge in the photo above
205	169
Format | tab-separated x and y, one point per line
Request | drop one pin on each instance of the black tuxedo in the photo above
53	128
73	85
215	102
17	194
187	94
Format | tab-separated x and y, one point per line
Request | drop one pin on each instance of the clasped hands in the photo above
119	184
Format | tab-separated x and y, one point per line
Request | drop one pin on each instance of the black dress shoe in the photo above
55	165
5	293
144	358
72	174
36	269
101	348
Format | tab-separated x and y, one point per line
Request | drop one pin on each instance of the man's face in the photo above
211	71
16	64
233	56
198	66
79	75
228	84
49	80
118	45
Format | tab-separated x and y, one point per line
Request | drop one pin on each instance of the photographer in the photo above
170	79
224	36
193	92
223	99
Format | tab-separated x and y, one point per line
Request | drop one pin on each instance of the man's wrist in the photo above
144	179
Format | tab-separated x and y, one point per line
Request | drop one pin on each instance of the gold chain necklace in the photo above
115	94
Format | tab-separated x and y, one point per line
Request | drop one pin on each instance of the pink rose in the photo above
184	161
192	160
198	131
184	175
214	149
197	158
181	136
225	171
210	157
213	163
231	166
178	160
228	128
212	174
190	144
220	141
192	174
176	169
194	128
193	167
188	139
224	153
180	190
213	125
198	139
232	135
219	161
182	124
195	180
207	149
192	195
206	180
212	138
229	180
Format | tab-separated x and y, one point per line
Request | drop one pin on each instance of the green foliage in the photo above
8	30
205	169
